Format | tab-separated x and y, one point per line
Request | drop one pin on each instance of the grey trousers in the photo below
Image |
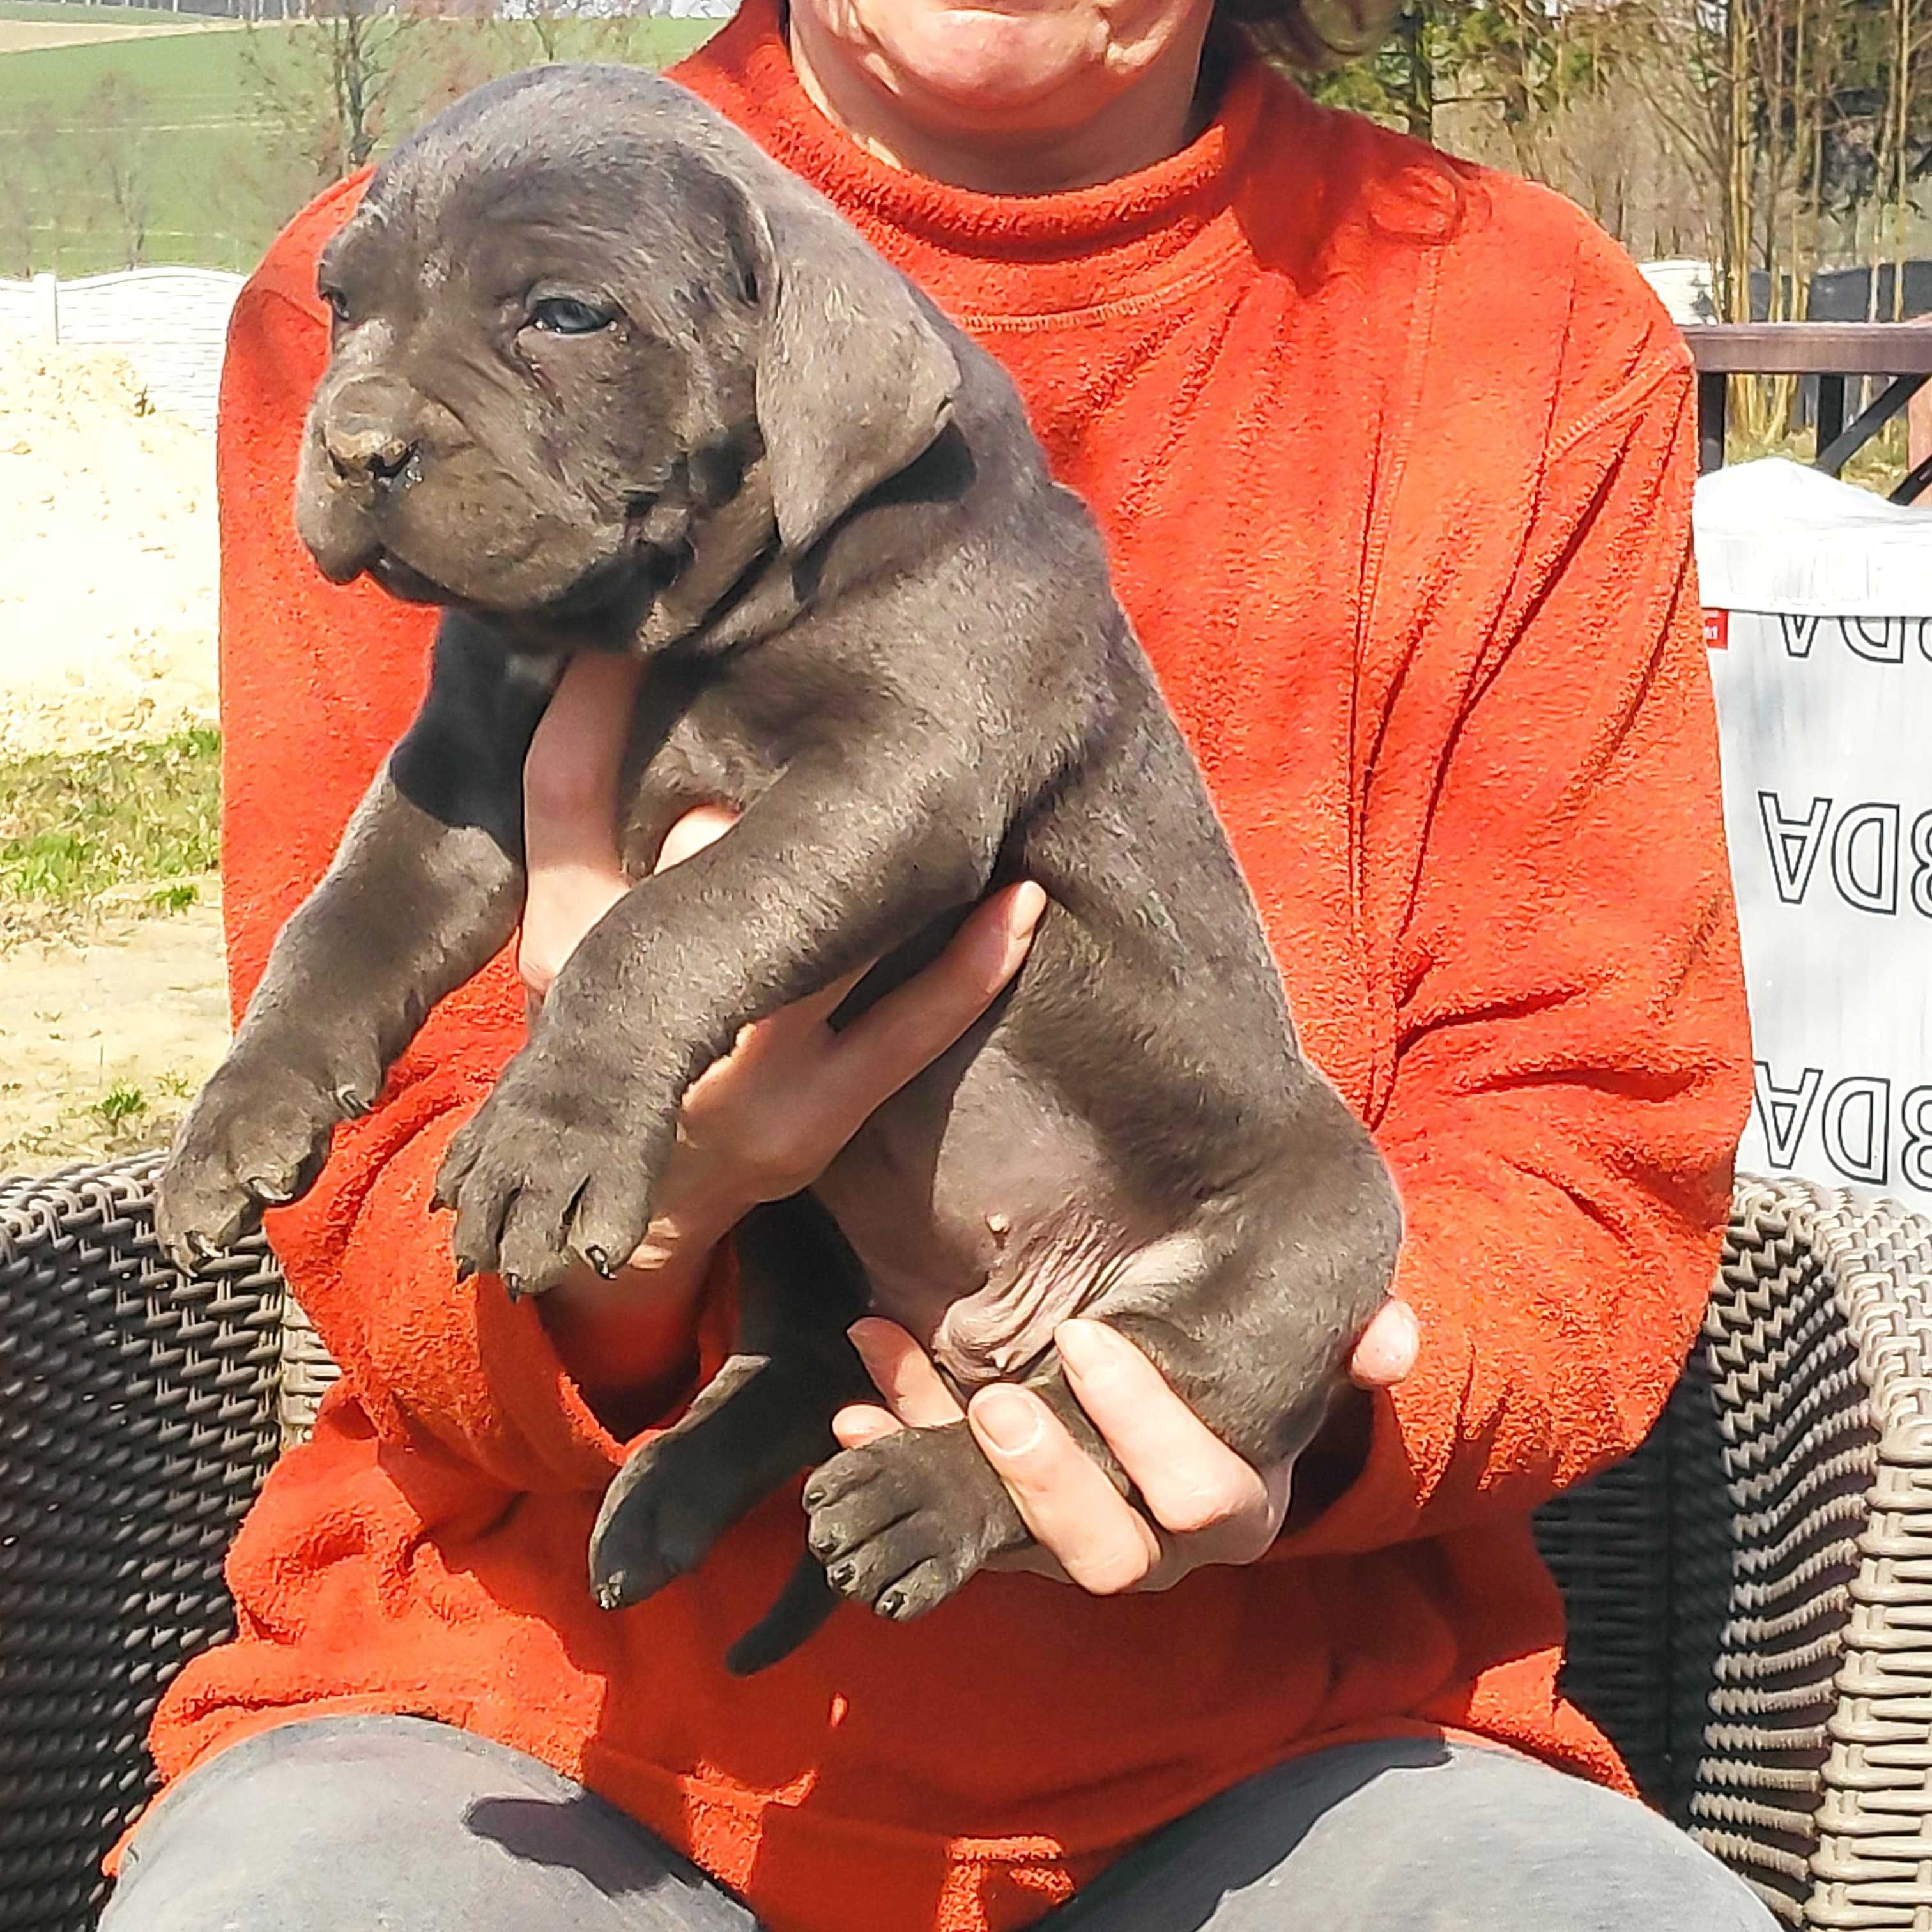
340	1824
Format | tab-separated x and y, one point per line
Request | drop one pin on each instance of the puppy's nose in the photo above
364	452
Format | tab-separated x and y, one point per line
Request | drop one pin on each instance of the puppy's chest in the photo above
683	752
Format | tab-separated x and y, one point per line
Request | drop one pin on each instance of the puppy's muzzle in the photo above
371	426
367	454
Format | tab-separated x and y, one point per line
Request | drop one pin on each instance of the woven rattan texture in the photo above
137	1417
1809	1571
308	1372
1750	1595
1608	1543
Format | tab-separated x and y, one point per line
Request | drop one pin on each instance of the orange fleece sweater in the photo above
1393	457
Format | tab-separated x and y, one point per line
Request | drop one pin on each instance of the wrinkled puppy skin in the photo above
606	378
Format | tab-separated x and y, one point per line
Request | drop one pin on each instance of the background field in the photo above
191	111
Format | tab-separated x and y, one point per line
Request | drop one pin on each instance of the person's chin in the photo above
1003	63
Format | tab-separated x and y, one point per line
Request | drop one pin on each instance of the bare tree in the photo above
332	81
116	117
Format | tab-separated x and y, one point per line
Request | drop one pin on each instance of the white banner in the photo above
1818	600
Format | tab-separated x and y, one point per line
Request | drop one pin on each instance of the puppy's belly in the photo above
984	1214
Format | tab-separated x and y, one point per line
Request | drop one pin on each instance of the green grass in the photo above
221	181
72	828
122	1104
1880	466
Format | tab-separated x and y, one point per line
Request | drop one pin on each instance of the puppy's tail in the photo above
803	1605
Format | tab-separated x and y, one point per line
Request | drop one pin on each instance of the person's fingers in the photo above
1192	1484
702	825
571	768
821	1005
903	1373
859	1423
913	1024
562	902
1074	1512
1386	1353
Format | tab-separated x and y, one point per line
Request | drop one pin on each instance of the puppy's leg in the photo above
847	856
765	1415
1249	1314
425	889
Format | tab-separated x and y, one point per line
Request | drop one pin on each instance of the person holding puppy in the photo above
1413	566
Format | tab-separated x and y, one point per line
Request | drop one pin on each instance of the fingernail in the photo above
1394	1341
865	1333
1029	904
1007	1420
1087	1347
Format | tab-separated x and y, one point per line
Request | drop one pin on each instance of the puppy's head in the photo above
575	315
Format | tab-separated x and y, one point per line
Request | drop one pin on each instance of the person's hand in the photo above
1203	1504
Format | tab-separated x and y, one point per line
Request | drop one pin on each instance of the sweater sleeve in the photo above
317	682
1572	1069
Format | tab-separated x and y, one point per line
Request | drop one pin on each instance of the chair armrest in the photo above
1801	1451
137	1419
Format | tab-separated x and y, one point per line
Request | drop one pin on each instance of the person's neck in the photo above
1158	116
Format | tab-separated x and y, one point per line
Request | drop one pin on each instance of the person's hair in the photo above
1309	35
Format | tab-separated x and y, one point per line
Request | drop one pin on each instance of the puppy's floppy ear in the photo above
854	382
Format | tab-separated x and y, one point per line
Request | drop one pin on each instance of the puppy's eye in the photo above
564	315
338	303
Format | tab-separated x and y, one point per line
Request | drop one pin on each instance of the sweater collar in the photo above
1002	258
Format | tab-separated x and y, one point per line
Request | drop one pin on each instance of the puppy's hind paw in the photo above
655	1525
901	1523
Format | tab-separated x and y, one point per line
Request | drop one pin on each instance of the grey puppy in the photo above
605	377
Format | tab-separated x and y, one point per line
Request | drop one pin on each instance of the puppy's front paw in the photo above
256	1137
900	1524
555	1169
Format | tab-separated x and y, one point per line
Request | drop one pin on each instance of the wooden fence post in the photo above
1919	428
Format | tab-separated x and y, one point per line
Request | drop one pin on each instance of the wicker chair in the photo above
1751	1594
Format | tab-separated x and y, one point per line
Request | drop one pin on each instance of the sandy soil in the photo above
107	600
107	556
138	1011
26	37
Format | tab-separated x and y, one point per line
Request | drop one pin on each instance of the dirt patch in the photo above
104	1042
113	1008
27	36
107	556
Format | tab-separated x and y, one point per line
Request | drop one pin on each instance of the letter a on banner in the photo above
1793	843
1824	692
1786	1111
